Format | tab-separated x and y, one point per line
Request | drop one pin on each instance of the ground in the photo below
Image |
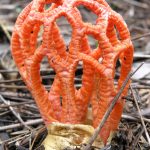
15	99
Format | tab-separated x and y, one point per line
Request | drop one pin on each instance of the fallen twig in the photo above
135	142
16	104
5	31
31	122
135	97
136	3
141	56
17	115
141	36
133	118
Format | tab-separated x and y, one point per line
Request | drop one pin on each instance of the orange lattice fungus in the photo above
114	43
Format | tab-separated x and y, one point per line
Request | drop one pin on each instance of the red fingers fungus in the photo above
98	89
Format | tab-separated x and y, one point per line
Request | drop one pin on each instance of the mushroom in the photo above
98	89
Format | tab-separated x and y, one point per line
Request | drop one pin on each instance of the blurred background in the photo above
13	92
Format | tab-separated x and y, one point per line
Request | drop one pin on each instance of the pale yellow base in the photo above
61	136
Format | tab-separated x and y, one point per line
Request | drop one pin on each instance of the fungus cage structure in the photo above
98	87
